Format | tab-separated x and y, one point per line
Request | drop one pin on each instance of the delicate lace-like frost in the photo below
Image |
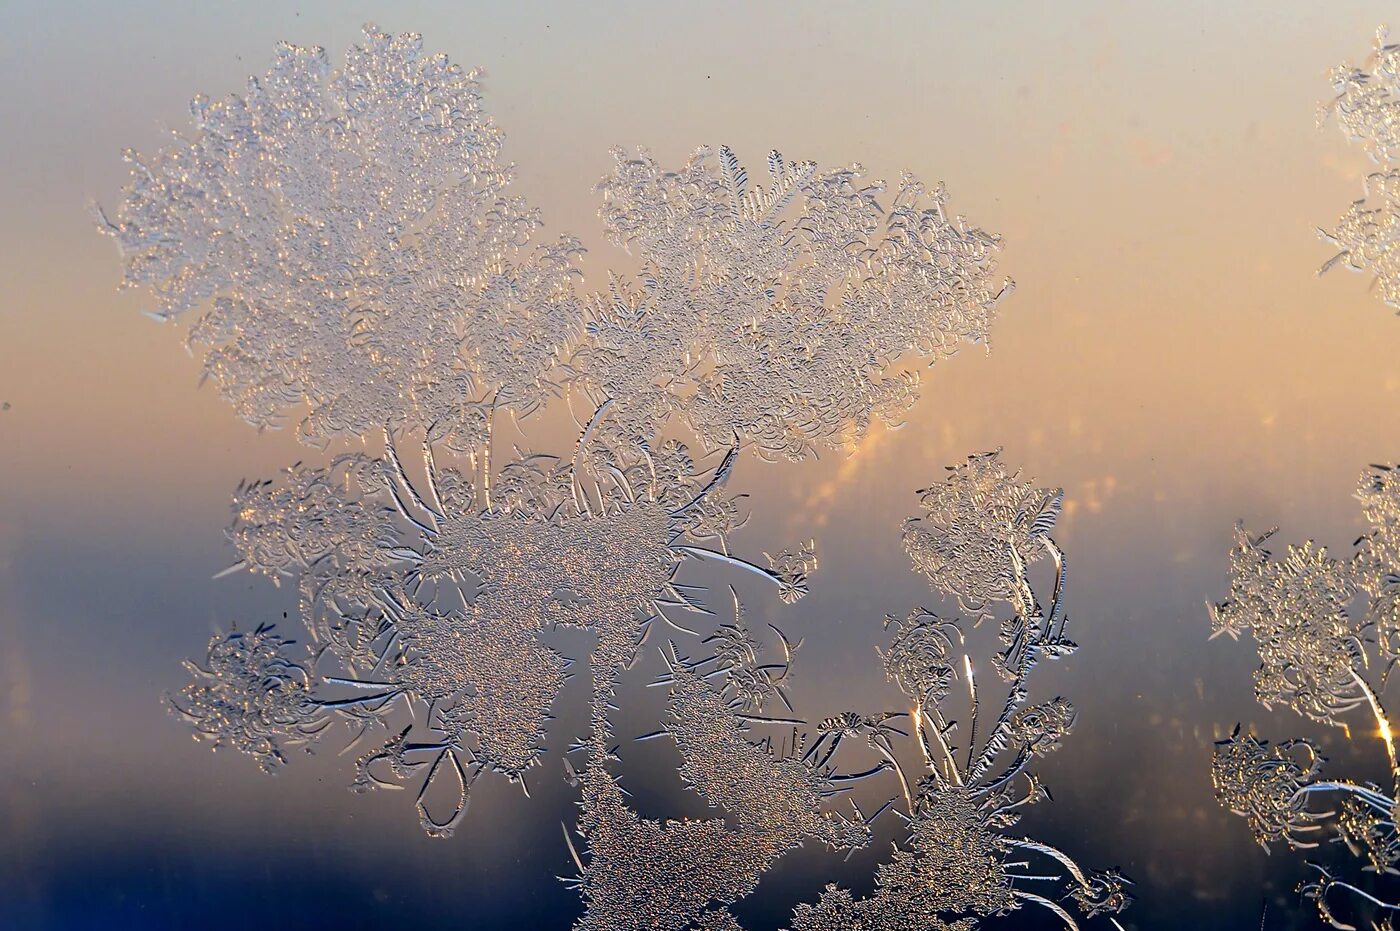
960	862
643	874
1326	634
431	595
779	313
349	245
1367	109
252	694
973	523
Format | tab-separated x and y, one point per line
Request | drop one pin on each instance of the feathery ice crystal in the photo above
434	599
349	244
1367	109
1327	631
644	874
779	314
962	793
975	525
251	695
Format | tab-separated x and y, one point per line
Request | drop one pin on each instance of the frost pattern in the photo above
961	798
351	248
1326	634
779	314
349	244
975	525
1367	109
251	694
644	874
431	596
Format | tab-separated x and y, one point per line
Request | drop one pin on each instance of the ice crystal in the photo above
748	683
1325	631
351	247
974	523
779	314
434	593
960	861
1378	556
777	798
349	244
251	694
643	874
1367	108
1266	786
350	250
1105	893
1310	648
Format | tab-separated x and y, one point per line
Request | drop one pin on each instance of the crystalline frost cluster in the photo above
351	253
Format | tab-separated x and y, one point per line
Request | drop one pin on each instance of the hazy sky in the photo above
1170	358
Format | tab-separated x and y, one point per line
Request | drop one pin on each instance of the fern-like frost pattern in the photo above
433	599
964	783
1367	110
1325	632
349	246
779	313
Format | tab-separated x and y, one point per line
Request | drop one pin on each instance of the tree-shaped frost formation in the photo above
351	247
779	313
962	793
958	862
349	244
1367	109
1327	633
683	874
973	523
434	598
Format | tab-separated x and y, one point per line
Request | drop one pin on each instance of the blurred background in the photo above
1170	358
